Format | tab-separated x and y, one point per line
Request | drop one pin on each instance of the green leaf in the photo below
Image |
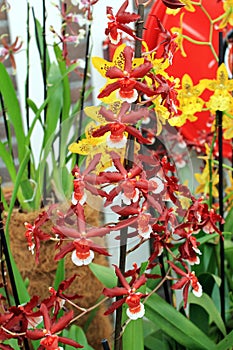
13	343
106	275
76	333
8	161
228	221
54	93
66	85
226	343
199	317
16	188
60	273
149	327
152	343
13	109
207	303
176	325
133	335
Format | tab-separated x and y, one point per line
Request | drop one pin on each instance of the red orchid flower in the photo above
209	220
24	317
48	336
130	295
168	43
81	246
118	22
129	182
10	50
58	297
189	248
202	218
85	180
188	279
127	83
168	93
34	234
119	124
17	319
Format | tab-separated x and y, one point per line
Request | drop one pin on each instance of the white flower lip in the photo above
136	315
81	262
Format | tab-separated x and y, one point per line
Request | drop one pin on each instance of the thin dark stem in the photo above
167	295
44	53
84	82
221	212
6	125
128	162
221	191
2	255
105	344
7	258
139	31
27	83
5	251
122	262
44	67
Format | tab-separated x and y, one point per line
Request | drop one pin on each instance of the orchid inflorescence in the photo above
138	100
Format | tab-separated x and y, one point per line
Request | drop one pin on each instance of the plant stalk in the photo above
219	115
128	162
4	249
84	82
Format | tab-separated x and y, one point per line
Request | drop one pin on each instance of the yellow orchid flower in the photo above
90	146
221	100
222	81
204	178
179	38
189	102
123	76
159	64
229	190
228	14
227	125
188	89
161	114
181	119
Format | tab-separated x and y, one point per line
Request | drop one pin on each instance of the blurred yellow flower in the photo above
228	14
227	125
229	190
189	102
204	179
221	100
161	113
90	146
179	38
222	81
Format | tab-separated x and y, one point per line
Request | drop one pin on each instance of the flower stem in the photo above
128	162
221	203
84	82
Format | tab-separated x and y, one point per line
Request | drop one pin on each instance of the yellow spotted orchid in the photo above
189	101
227	15
229	190
90	146
204	179
123	76
161	113
222	81
227	125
